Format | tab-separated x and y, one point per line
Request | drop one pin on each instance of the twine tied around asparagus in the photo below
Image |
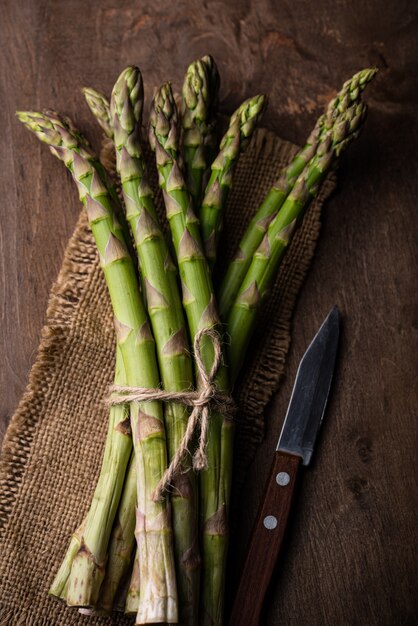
207	396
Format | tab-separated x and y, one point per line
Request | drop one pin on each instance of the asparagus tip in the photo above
24	116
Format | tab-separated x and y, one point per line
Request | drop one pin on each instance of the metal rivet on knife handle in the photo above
282	479
270	522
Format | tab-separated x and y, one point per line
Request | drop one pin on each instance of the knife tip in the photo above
334	314
332	320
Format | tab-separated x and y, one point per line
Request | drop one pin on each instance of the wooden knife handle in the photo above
266	541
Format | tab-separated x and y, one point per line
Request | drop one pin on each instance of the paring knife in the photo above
296	442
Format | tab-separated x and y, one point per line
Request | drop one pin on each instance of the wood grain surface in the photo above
351	556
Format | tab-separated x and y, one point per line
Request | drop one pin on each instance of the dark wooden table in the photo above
352	553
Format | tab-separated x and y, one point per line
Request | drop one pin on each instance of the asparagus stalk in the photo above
167	321
115	588
199	304
97	526
349	95
263	268
59	586
121	544
118	447
100	107
236	139
200	94
133	595
153	531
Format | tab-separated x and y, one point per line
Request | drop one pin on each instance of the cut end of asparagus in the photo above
85	579
132	596
87	612
59	586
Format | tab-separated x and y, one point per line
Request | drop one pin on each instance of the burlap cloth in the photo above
52	449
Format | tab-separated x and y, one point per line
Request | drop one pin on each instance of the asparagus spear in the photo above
100	107
236	139
167	321
97	526
211	137
135	340
263	268
199	304
117	418
200	94
121	540
349	95
118	447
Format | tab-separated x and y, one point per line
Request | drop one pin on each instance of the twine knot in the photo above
206	396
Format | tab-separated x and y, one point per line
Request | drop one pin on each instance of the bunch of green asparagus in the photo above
163	558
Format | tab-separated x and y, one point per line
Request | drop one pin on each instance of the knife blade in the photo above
295	447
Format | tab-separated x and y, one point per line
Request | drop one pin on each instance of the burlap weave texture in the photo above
52	450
